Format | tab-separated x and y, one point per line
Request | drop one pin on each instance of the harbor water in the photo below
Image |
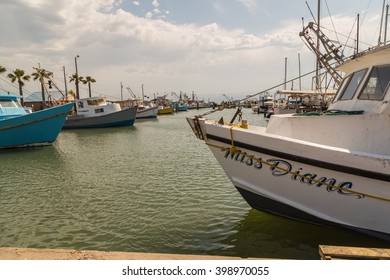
150	188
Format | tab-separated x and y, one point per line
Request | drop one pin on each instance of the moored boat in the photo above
162	110
19	128
330	168
147	112
95	112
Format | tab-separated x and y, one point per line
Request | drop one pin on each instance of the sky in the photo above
206	47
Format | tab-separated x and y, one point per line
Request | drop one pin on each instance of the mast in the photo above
380	29
299	69
357	34
318	47
285	73
66	88
387	15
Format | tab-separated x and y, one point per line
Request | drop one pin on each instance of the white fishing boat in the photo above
332	168
264	103
300	101
95	112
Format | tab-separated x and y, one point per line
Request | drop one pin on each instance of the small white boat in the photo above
330	168
95	112
145	109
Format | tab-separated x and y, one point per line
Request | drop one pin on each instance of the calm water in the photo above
149	188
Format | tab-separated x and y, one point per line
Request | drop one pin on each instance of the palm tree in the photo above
76	79
41	75
2	69
88	80
18	75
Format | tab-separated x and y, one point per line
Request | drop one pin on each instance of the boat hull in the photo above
299	180
125	117
147	113
35	129
165	111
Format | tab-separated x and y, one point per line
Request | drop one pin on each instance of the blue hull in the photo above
34	129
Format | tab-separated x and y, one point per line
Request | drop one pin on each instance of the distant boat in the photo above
180	106
95	112
18	128
147	112
164	105
264	103
162	110
145	109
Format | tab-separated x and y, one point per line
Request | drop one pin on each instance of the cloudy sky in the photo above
210	47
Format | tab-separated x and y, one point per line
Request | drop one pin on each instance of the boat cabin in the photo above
366	83
358	117
10	106
95	106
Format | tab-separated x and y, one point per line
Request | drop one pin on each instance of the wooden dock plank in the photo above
342	252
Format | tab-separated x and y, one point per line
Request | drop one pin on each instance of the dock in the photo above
63	254
353	253
326	252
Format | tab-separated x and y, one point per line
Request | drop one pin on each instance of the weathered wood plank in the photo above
342	252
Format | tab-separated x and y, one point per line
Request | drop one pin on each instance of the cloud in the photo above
136	3
116	46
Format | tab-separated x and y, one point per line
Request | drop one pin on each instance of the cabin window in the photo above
376	84
95	102
99	110
6	103
350	85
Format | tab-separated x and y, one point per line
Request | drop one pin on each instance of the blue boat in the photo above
180	106
18	128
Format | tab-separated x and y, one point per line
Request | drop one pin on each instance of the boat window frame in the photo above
345	85
8	102
367	80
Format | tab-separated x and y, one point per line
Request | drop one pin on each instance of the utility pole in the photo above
121	92
77	78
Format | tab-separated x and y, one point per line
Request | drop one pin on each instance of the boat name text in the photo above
279	168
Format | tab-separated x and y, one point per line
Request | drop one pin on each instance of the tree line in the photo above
19	76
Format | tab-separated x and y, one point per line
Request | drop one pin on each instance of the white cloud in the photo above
155	3
117	46
136	3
